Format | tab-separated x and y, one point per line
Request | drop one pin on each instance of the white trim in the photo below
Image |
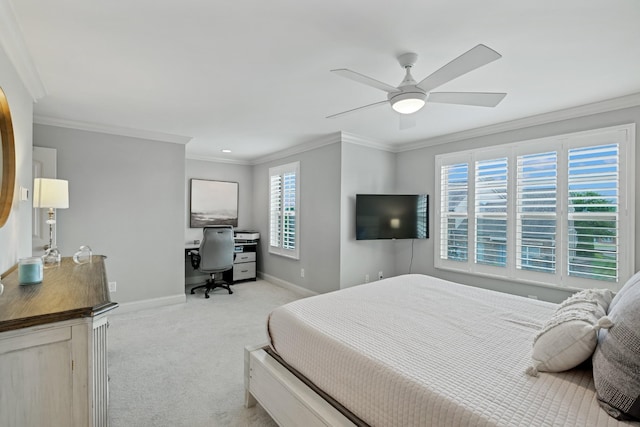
205	158
299	148
321	142
366	142
144	304
608	105
112	130
13	42
287	285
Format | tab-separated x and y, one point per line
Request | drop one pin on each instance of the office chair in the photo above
214	257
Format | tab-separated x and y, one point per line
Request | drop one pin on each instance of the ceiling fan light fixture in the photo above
408	102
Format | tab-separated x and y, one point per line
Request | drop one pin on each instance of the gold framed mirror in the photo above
7	159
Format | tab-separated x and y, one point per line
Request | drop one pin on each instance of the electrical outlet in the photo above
302	272
112	286
380	275
366	278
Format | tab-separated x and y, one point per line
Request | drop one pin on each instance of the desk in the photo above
245	257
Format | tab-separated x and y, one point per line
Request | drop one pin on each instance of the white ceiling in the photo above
253	75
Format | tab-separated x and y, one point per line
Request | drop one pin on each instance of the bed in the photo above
414	350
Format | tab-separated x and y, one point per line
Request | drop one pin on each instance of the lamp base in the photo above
51	258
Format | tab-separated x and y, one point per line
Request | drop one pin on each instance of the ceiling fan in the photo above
410	96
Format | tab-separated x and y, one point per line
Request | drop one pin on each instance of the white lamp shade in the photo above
50	193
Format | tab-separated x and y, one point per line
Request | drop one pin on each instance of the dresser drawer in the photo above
244	257
243	271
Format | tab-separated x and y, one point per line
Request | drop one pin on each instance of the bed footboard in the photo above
286	398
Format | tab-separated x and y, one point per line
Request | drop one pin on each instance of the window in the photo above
548	211
284	204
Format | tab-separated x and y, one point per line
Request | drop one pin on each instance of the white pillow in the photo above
570	336
616	361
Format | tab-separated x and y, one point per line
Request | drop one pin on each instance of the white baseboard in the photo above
128	307
287	285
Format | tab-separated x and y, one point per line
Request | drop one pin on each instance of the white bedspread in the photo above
414	350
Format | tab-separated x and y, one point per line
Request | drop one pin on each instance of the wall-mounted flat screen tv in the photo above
392	216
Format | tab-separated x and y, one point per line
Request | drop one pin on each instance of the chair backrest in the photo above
216	249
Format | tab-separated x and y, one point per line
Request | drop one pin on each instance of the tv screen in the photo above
392	216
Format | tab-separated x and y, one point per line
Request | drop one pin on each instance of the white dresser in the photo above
53	348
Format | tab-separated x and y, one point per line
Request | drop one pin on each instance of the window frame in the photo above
280	249
624	135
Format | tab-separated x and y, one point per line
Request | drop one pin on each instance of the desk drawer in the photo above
243	271
244	257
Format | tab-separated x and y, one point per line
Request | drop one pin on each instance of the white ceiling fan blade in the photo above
407	121
361	78
364	107
468	61
480	99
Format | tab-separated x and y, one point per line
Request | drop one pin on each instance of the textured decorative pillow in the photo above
616	361
628	285
570	336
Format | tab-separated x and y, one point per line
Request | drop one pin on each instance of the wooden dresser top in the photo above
68	291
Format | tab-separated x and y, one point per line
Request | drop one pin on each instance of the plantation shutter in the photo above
536	211
275	209
422	226
283	208
593	207
555	211
289	211
491	212
454	215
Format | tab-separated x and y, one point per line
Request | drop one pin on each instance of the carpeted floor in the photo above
182	365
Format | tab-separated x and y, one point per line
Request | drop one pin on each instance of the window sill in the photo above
614	287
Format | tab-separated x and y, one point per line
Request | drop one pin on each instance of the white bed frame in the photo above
289	401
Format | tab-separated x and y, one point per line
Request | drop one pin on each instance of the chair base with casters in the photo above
212	284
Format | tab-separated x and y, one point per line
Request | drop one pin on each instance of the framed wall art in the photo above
213	203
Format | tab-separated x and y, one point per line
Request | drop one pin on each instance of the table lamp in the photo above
51	194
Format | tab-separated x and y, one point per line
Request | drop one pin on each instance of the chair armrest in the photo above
195	259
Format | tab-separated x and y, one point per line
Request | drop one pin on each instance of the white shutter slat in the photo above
491	212
454	238
593	206
536	210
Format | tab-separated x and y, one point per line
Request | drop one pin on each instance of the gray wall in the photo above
319	220
242	174
126	201
364	170
416	173
15	235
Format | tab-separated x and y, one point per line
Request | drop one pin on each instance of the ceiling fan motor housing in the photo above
408	101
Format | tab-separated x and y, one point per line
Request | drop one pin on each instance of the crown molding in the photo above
206	158
613	104
14	45
321	142
367	142
113	130
300	148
